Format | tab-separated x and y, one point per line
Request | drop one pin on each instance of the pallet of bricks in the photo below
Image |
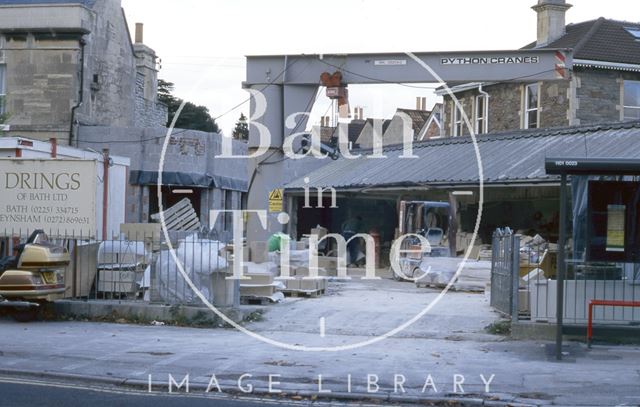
302	285
299	284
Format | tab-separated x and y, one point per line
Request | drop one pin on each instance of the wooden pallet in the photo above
303	294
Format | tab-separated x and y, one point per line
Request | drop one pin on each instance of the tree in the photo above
241	131
4	116
192	116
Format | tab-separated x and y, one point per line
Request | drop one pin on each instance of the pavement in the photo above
445	355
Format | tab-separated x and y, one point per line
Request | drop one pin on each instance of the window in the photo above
531	108
482	114
458	121
635	31
3	70
631	100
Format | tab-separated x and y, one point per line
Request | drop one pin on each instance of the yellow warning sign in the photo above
276	198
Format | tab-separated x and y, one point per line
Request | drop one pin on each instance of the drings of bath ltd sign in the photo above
58	196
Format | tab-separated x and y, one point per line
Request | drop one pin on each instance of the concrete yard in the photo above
448	344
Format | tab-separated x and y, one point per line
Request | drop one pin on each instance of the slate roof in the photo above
419	117
507	158
600	40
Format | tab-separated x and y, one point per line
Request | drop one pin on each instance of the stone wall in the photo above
149	112
43	72
40	84
592	96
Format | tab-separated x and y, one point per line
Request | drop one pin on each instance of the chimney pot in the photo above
139	33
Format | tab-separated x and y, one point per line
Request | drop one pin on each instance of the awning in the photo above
188	179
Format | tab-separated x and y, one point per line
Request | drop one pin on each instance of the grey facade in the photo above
192	163
74	62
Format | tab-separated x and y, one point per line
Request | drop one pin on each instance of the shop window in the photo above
532	106
458	120
482	114
631	100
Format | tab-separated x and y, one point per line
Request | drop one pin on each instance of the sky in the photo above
202	43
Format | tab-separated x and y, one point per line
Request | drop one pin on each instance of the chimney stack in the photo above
139	33
421	103
551	20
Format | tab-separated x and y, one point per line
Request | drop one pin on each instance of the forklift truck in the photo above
431	220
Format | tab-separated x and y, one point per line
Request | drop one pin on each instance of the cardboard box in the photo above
259	252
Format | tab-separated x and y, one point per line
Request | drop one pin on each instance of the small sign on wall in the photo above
276	198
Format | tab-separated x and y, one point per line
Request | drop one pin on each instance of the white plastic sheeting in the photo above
201	261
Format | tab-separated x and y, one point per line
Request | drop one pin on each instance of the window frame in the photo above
528	109
3	87
624	105
457	125
484	120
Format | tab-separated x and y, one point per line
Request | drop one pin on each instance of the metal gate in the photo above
505	264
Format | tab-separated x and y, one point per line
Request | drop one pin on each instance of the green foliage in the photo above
241	131
192	116
4	116
502	327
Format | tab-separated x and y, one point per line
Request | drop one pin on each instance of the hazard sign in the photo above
276	198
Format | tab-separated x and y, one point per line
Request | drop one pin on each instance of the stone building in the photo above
65	63
604	87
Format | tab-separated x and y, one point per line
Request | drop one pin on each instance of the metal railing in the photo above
504	261
142	268
532	295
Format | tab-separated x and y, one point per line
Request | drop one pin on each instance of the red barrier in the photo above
605	303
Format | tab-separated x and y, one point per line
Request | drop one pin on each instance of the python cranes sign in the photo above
58	196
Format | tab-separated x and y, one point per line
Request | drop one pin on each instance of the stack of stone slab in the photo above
299	284
260	283
302	284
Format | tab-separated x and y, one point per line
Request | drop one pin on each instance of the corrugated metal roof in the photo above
513	157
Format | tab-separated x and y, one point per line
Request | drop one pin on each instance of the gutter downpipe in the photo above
486	107
78	105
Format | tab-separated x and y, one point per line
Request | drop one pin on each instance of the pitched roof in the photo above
600	40
419	117
507	158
